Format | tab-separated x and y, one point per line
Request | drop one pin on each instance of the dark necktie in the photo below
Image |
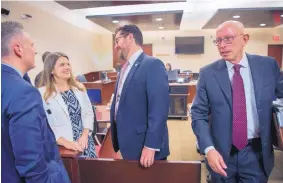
240	139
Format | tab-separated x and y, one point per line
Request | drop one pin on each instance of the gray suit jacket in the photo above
214	98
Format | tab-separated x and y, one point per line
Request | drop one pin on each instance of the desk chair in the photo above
94	95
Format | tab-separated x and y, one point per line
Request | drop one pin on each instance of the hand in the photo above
147	157
83	141
216	162
73	146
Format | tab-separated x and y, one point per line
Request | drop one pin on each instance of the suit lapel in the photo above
57	96
223	80
130	75
257	76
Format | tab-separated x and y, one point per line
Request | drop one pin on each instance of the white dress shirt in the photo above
132	60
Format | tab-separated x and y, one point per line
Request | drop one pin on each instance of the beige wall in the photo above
164	46
87	51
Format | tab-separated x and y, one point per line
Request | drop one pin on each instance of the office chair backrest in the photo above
94	95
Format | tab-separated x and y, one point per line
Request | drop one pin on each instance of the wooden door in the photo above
276	52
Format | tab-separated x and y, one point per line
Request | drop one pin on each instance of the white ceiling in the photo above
196	12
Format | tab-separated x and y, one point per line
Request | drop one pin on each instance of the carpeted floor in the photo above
183	147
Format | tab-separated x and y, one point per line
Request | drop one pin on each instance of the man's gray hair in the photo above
8	30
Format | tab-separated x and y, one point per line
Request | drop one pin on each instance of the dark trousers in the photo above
164	158
243	166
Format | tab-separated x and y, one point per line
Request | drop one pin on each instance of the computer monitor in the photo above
172	76
195	76
103	75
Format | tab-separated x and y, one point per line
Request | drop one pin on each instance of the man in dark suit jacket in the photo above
231	113
28	147
140	106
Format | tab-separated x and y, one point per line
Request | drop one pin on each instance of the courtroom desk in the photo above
103	118
102	114
106	88
277	128
112	75
92	76
121	171
180	95
70	160
183	75
103	121
97	170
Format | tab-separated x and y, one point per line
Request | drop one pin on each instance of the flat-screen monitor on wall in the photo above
189	45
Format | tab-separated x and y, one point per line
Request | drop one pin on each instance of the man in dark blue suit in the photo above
231	113
140	106
28	147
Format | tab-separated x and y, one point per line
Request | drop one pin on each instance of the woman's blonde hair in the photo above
47	79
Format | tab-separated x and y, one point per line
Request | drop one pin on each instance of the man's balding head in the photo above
235	25
231	40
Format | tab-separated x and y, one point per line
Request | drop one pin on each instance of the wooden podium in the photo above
87	170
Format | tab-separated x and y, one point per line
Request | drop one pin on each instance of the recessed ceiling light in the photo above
159	19
262	25
115	21
161	27
282	15
236	16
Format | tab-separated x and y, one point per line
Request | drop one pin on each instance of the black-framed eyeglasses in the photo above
226	39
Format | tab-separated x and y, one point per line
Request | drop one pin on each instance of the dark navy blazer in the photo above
29	150
143	110
214	98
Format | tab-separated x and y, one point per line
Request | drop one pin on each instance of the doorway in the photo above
276	51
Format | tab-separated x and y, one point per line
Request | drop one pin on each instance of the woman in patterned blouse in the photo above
67	105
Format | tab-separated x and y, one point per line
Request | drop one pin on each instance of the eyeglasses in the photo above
226	39
117	39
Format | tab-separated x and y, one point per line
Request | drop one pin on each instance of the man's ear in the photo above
246	38
131	36
18	50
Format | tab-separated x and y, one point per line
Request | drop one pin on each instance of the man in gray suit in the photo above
231	113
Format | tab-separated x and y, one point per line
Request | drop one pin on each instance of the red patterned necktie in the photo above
240	139
122	73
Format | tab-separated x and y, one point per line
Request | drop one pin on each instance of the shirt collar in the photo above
243	62
135	56
14	69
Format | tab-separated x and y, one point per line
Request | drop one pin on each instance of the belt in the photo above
254	141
